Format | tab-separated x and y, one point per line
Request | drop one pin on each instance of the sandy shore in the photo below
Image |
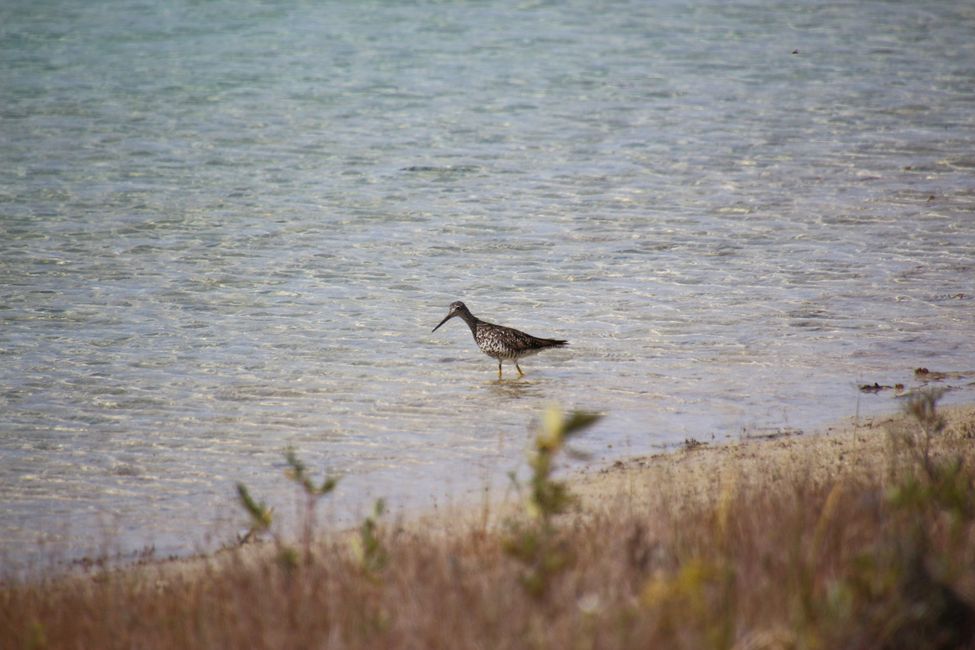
696	474
700	471
836	539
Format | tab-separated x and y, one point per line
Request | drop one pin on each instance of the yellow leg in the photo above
499	370
521	373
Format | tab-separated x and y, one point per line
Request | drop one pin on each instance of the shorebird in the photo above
497	341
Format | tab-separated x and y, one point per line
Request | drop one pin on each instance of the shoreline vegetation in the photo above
862	537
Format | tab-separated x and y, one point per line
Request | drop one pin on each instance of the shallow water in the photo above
227	228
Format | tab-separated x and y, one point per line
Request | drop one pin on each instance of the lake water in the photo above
227	228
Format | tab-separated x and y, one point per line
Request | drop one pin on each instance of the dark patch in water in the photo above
876	388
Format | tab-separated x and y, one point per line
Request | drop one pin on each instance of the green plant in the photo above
536	543
260	515
298	472
903	587
928	484
369	549
923	406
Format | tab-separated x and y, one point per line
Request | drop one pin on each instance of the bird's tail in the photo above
554	343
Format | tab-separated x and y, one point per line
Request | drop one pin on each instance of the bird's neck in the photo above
470	319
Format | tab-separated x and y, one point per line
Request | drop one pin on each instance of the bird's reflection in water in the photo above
515	388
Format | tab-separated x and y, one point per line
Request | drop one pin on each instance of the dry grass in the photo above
858	540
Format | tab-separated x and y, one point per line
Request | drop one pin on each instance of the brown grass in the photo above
853	540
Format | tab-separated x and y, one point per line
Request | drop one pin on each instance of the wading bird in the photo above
500	342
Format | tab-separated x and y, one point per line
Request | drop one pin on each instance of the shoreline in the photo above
854	444
695	470
846	538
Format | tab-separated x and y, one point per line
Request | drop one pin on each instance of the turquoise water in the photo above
227	228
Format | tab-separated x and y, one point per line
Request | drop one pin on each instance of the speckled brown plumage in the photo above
500	342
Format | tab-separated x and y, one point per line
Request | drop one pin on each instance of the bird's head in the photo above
456	308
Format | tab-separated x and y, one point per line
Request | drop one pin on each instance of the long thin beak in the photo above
449	316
